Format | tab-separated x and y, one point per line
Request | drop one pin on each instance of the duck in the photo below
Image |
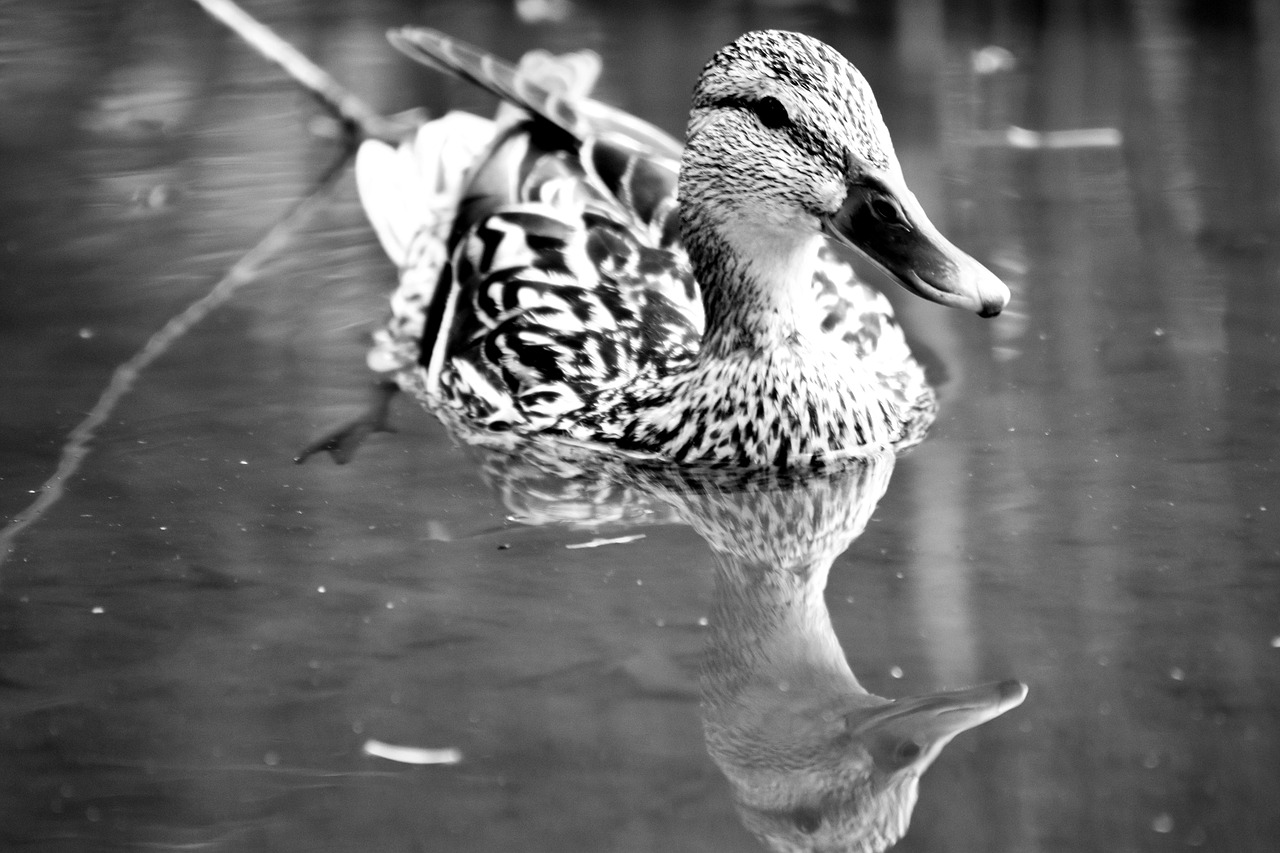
570	271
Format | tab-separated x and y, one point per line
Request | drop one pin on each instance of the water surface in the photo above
199	638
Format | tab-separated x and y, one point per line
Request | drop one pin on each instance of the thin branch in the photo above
349	109
79	441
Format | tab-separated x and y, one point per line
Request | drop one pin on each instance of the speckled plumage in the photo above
557	278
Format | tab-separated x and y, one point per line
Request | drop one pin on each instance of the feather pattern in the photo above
565	273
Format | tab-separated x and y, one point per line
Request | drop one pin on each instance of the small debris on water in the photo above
155	197
411	754
596	543
543	11
992	59
895	671
1042	140
1163	823
1177	674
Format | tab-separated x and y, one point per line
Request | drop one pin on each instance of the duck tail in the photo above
556	89
411	195
418	186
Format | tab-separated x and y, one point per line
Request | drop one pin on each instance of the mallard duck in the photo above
569	270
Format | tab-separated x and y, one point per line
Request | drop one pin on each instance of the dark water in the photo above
198	639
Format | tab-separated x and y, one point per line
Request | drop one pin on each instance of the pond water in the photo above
203	645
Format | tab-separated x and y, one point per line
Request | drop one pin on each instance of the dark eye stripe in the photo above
769	110
762	107
772	112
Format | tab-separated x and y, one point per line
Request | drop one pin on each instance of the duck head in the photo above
786	143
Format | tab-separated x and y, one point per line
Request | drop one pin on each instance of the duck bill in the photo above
938	717
891	228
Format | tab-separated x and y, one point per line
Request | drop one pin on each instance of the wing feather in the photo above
581	117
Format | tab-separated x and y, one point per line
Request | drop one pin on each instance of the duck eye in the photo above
909	751
772	112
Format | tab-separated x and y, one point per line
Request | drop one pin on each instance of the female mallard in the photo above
558	278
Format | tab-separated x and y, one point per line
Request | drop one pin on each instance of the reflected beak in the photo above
937	718
891	229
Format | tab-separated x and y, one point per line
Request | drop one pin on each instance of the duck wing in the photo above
573	112
632	161
559	286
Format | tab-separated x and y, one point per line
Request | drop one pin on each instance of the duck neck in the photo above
756	275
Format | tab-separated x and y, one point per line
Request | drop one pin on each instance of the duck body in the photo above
569	270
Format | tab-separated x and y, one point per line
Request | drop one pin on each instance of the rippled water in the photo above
199	639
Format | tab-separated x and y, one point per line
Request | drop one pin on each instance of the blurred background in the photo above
196	640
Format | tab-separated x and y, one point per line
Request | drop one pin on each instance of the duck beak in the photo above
933	720
888	225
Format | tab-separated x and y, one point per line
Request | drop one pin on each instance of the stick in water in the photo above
349	108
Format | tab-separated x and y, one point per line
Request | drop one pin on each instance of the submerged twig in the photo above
350	110
123	378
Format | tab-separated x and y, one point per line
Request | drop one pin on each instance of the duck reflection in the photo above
815	761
